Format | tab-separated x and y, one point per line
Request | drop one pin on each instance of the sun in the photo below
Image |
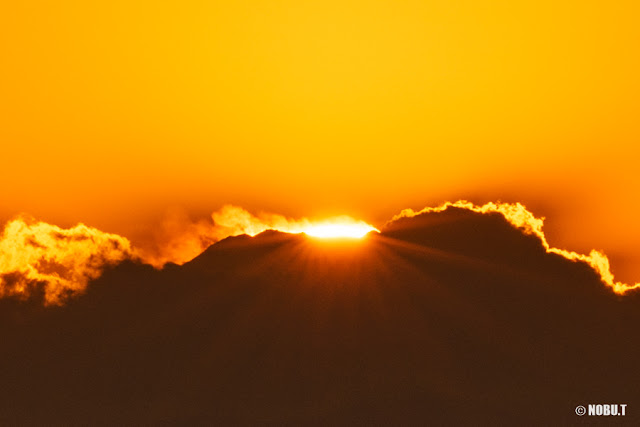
355	230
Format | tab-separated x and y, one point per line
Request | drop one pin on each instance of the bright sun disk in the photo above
352	231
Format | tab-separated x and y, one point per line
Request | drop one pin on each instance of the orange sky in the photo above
112	113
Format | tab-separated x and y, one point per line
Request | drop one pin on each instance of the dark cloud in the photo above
448	317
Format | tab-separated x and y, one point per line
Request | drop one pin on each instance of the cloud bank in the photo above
36	256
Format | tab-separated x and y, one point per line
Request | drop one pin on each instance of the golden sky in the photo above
113	113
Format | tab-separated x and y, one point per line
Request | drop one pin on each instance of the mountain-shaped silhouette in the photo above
450	317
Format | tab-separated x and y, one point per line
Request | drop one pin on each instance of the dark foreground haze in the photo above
444	318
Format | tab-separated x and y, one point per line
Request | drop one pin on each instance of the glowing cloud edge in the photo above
520	217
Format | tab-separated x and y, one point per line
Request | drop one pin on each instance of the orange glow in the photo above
180	240
112	113
232	220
